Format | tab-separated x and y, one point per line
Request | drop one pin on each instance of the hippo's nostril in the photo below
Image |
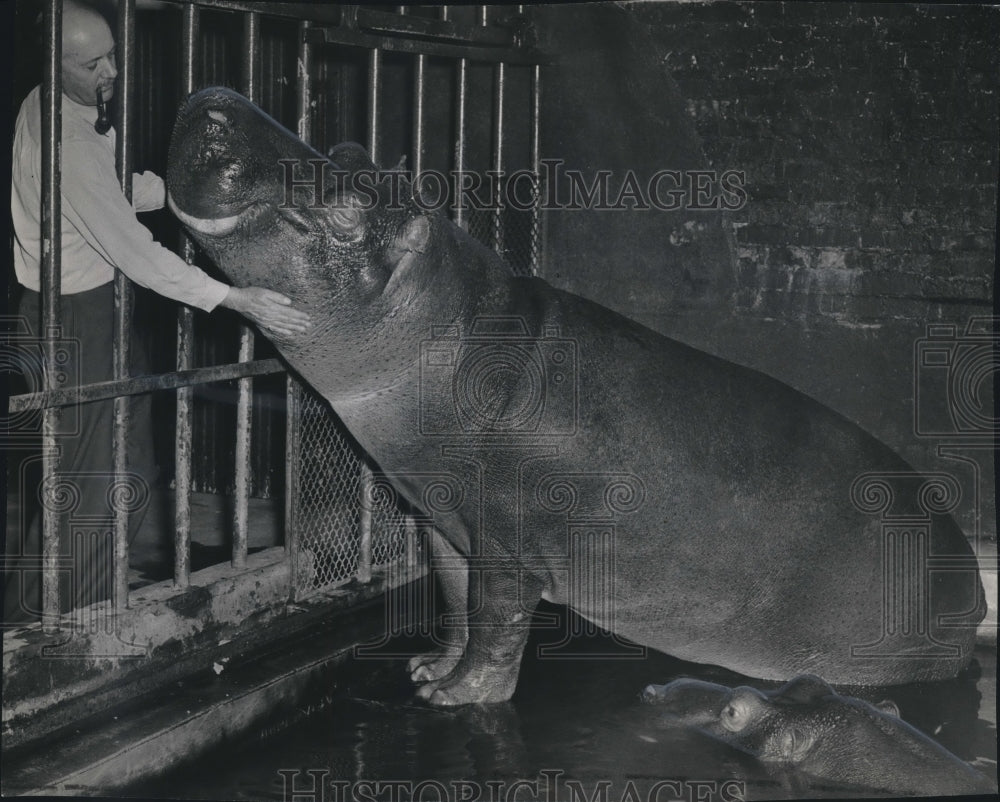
218	116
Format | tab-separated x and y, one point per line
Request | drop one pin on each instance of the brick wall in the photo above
869	136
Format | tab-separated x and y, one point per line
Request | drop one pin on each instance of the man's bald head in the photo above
88	57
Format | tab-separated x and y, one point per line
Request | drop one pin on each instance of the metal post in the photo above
51	286
293	391
251	87
536	166
122	348
500	78
365	525
185	348
367	480
463	85
374	99
418	116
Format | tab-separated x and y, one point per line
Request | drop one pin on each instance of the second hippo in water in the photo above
807	726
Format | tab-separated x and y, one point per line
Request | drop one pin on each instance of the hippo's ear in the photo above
412	238
351	157
888	706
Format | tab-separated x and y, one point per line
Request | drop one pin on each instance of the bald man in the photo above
100	232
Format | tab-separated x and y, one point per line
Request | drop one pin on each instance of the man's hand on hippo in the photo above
270	310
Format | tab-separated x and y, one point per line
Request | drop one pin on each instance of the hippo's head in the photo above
272	212
808	726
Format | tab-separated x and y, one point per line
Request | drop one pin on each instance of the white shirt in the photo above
99	228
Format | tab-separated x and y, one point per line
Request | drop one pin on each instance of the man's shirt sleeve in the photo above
104	218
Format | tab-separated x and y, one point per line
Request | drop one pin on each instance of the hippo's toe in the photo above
433	665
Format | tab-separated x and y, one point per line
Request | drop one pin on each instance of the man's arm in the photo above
94	203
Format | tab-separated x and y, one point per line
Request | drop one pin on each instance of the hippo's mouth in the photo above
215	226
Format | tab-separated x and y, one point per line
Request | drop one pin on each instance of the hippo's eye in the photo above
735	715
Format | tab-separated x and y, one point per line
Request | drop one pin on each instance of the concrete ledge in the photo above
144	737
52	682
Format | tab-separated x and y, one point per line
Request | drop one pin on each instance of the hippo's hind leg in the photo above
503	602
452	572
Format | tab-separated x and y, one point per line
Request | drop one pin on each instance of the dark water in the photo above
575	728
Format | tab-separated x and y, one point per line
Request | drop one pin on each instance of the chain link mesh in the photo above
328	503
517	238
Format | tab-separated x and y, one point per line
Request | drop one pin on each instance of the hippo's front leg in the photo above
452	572
498	631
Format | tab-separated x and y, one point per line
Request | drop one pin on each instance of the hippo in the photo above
562	451
806	726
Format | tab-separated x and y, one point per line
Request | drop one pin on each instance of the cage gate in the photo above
456	90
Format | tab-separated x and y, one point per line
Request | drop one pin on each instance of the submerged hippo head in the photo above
273	212
808	726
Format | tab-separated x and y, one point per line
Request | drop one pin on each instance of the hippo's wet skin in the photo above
673	498
807	726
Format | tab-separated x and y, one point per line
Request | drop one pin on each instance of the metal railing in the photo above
324	546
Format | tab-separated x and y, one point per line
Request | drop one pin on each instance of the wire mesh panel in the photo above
329	502
518	238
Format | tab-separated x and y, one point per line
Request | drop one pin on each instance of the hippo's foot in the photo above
435	664
466	685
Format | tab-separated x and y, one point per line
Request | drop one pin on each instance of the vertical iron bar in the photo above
185	349
51	286
418	117
374	99
419	81
122	348
365	525
463	81
498	243
244	404
536	166
365	521
293	391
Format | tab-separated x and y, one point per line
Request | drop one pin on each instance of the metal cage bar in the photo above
374	98
244	404
536	167
51	285
293	390
461	101
185	346
124	296
419	81
364	569
498	142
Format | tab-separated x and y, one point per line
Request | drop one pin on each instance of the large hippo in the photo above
565	452
807	726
